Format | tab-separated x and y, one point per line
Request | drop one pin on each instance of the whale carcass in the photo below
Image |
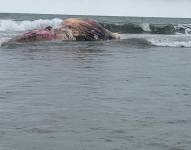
70	29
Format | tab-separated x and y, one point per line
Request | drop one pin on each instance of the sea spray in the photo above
11	25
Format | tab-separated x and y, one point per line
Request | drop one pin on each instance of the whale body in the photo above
70	29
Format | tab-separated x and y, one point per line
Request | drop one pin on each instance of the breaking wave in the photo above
154	34
149	28
161	40
11	25
170	43
4	40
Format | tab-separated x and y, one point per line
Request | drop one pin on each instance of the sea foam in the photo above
11	25
4	40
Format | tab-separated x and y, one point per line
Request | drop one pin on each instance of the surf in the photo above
164	35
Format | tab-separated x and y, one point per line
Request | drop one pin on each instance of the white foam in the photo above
178	40
185	27
171	43
145	27
4	40
10	25
171	40
188	31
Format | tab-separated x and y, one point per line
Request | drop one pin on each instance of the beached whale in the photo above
70	29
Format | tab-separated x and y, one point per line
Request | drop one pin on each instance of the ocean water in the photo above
127	94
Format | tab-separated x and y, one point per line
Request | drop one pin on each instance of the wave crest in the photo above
149	28
14	26
11	25
153	34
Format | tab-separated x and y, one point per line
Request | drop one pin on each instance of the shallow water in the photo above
95	95
106	95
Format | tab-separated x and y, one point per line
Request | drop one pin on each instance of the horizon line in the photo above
92	15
